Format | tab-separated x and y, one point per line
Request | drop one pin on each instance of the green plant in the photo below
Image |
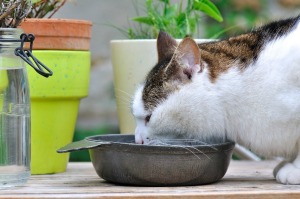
178	19
239	16
12	12
43	8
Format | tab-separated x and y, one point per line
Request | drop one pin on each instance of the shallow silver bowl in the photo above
117	159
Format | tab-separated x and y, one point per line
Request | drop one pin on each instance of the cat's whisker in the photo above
193	140
121	91
198	150
123	106
188	148
207	144
165	144
121	98
123	95
124	101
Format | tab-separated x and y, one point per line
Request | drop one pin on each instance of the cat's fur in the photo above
245	88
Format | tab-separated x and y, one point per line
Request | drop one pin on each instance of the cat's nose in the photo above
138	139
141	135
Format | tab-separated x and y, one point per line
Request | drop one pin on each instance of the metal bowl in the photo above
117	159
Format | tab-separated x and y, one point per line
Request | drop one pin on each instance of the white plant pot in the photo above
132	60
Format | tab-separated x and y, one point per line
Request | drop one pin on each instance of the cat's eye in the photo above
147	118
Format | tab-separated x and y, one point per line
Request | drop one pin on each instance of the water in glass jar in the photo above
14	127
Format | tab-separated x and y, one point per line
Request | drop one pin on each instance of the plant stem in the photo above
165	7
9	11
189	8
57	8
180	7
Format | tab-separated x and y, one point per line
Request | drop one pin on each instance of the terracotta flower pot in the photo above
59	34
63	46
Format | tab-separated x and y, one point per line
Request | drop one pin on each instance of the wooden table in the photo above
243	180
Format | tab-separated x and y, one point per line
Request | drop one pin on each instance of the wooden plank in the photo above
243	180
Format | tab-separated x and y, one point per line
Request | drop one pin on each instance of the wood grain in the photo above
244	179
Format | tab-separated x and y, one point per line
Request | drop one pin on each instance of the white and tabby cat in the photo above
245	88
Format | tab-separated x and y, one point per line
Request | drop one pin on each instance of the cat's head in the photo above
163	105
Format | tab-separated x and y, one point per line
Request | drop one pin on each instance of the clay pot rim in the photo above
59	34
56	20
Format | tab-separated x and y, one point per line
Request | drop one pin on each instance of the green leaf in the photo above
182	24
181	19
131	34
144	20
165	1
188	26
148	4
34	1
208	8
158	20
171	11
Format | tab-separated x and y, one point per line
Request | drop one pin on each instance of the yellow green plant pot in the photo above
54	106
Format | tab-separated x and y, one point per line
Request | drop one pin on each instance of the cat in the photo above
245	88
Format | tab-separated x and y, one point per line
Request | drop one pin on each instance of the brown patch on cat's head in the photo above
175	67
242	50
237	51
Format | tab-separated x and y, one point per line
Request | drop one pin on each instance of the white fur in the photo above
258	108
140	114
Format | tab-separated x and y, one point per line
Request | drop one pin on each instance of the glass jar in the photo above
14	112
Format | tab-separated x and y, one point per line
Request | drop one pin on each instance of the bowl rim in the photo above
159	149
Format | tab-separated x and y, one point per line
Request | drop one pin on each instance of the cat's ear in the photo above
188	56
166	46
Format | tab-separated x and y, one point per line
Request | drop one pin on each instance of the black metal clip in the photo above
28	57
